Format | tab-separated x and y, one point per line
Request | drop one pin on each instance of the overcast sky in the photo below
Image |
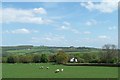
60	23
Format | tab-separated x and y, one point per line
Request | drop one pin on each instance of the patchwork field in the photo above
33	71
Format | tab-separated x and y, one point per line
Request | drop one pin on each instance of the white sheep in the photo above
41	67
57	70
62	70
47	68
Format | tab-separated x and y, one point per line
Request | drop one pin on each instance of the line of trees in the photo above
25	58
108	54
60	58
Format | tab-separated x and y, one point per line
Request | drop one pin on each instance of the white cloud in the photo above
22	16
35	31
64	28
1	15
66	23
98	41
103	37
20	31
75	31
87	32
50	39
105	6
112	28
88	23
91	22
67	26
54	38
40	10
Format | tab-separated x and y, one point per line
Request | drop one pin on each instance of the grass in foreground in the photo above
33	71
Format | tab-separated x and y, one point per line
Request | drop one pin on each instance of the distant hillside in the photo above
29	49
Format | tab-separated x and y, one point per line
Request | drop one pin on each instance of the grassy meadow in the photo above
32	70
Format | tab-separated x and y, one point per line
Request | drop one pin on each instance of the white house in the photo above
73	60
76	60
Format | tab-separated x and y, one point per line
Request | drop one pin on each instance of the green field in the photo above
0	70
33	71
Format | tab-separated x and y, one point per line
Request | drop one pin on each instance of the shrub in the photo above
44	58
87	57
25	59
12	59
4	60
36	58
52	58
61	57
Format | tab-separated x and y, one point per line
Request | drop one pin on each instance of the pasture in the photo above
32	71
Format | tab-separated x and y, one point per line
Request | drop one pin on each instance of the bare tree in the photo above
109	52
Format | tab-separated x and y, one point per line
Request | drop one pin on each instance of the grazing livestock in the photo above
41	67
47	68
62	70
57	70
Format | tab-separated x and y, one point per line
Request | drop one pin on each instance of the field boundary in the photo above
60	79
93	64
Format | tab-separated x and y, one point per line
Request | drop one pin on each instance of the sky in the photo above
90	24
